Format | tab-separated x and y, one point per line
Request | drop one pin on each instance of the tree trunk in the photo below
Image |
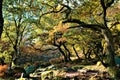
114	72
109	47
76	53
1	18
15	56
69	54
84	52
62	52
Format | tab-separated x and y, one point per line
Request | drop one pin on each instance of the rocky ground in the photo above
76	72
68	71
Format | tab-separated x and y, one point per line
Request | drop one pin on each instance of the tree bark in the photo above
69	54
113	70
76	52
109	46
62	52
1	19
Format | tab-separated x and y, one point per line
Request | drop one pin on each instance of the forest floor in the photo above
80	71
74	70
87	72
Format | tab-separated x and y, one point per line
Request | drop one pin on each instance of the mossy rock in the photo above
47	75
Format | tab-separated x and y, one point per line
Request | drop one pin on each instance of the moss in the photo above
47	74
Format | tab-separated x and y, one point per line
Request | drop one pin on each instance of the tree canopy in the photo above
73	27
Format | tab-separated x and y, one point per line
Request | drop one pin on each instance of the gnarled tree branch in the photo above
84	25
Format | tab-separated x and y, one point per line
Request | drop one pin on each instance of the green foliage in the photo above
39	22
7	56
